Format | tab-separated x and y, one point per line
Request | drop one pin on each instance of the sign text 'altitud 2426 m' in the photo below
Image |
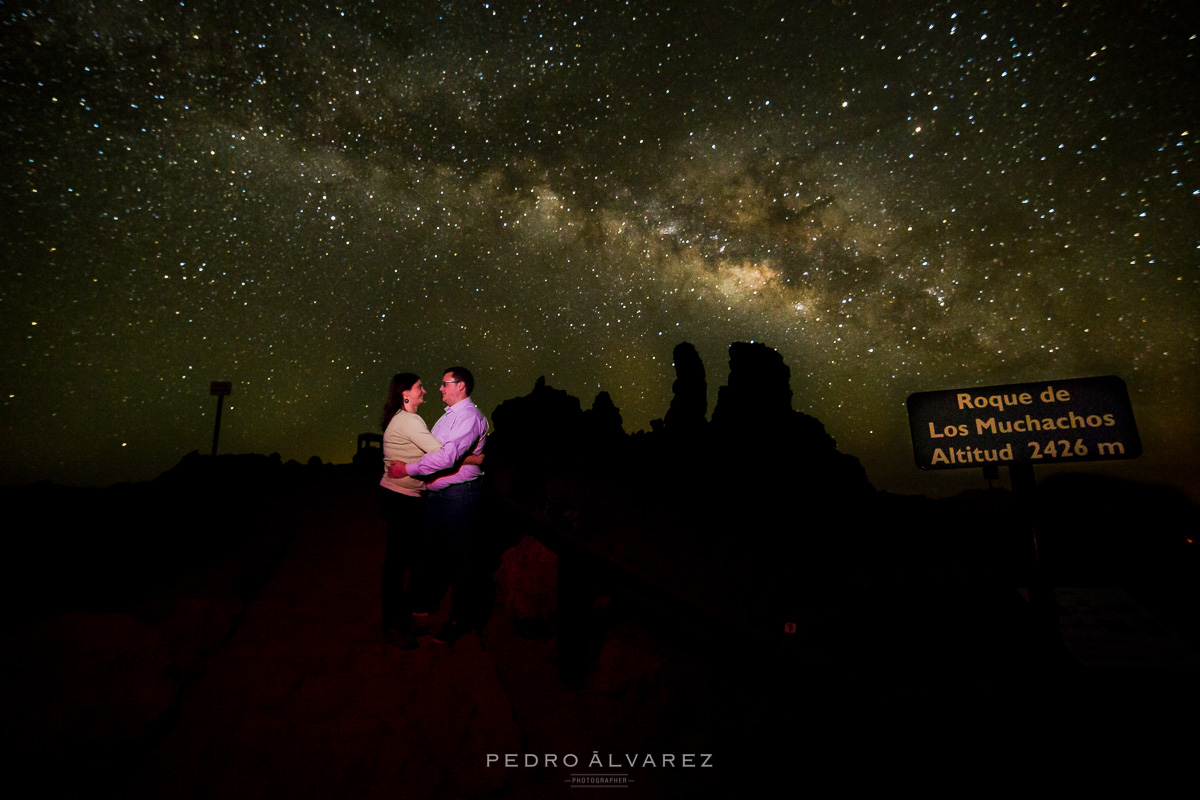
1052	422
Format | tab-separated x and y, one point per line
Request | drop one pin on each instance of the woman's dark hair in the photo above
401	383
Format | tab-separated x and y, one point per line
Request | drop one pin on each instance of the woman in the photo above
406	438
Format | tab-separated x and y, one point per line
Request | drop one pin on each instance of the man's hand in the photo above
397	470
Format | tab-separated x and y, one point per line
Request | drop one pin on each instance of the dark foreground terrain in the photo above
216	633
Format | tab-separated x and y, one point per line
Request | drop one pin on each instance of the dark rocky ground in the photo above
216	634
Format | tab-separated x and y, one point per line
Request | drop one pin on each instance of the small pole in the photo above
991	472
220	389
1041	592
217	425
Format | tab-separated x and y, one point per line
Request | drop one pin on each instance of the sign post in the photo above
220	389
1020	426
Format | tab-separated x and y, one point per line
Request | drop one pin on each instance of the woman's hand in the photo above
475	460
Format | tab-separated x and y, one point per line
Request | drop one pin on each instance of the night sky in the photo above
304	198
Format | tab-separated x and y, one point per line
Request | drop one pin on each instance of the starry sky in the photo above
304	198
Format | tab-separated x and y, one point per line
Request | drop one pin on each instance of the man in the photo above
453	501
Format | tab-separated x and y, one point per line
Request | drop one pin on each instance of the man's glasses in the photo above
442	385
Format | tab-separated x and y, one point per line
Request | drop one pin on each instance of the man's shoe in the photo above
449	633
401	640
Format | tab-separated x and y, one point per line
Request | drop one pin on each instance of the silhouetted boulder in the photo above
777	445
759	502
800	498
602	422
689	405
524	424
535	436
759	386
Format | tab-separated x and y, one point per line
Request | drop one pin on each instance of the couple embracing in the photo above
430	497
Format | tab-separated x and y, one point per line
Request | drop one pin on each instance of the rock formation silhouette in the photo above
689	405
759	386
757	463
778	448
535	436
758	506
602	422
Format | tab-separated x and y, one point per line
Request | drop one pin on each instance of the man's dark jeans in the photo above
451	517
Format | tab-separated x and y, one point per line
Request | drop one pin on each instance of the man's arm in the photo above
398	469
459	439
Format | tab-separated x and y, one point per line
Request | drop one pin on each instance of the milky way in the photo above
304	198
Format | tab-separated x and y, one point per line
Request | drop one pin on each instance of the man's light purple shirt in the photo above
462	431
